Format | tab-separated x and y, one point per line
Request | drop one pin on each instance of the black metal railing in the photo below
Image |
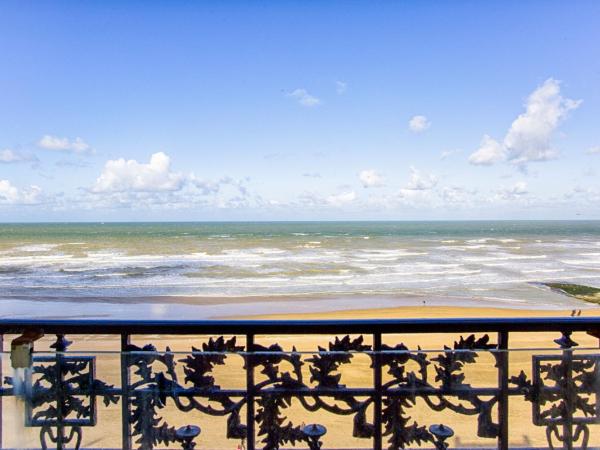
61	390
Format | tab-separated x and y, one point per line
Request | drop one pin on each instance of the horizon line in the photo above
102	222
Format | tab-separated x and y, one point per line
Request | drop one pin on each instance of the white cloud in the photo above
341	87
489	152
341	199
77	145
304	98
12	195
420	181
594	150
311	175
371	178
585	194
517	190
154	185
9	156
122	175
456	195
418	124
529	136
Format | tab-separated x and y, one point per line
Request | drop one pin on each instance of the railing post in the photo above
568	399
125	381
377	440
60	395
249	392
503	386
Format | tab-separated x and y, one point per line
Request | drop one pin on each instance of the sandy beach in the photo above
357	374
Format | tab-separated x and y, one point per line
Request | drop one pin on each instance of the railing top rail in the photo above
243	327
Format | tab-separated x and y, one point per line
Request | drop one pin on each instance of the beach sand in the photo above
357	374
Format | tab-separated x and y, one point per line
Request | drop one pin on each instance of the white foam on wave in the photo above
502	258
582	262
530	271
386	254
302	265
35	248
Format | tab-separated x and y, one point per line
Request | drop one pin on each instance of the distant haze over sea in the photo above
219	269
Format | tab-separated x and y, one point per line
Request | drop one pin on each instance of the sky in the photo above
299	110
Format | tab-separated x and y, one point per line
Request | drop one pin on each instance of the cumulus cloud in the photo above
55	143
341	199
122	175
341	87
418	124
529	136
420	181
8	156
10	194
490	152
594	150
155	185
371	178
304	98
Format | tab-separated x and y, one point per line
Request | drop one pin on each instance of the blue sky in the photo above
299	110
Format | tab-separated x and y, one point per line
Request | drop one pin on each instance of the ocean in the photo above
205	270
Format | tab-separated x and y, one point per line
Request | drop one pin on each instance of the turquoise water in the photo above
495	263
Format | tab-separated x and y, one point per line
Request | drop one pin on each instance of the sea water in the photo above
324	265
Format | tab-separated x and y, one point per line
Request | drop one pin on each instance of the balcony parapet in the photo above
62	392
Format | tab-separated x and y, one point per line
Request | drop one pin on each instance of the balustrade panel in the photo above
365	390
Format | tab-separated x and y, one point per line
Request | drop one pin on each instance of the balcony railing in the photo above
260	384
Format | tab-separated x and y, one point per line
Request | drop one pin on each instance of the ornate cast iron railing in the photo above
61	391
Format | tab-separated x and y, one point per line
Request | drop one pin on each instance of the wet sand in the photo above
332	305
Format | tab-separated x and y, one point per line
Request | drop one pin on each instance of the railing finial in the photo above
186	436
313	434
61	344
441	433
565	341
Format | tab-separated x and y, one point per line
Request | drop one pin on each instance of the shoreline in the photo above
332	306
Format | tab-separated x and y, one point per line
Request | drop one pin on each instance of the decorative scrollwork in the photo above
60	396
156	384
565	393
406	386
150	392
62	389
